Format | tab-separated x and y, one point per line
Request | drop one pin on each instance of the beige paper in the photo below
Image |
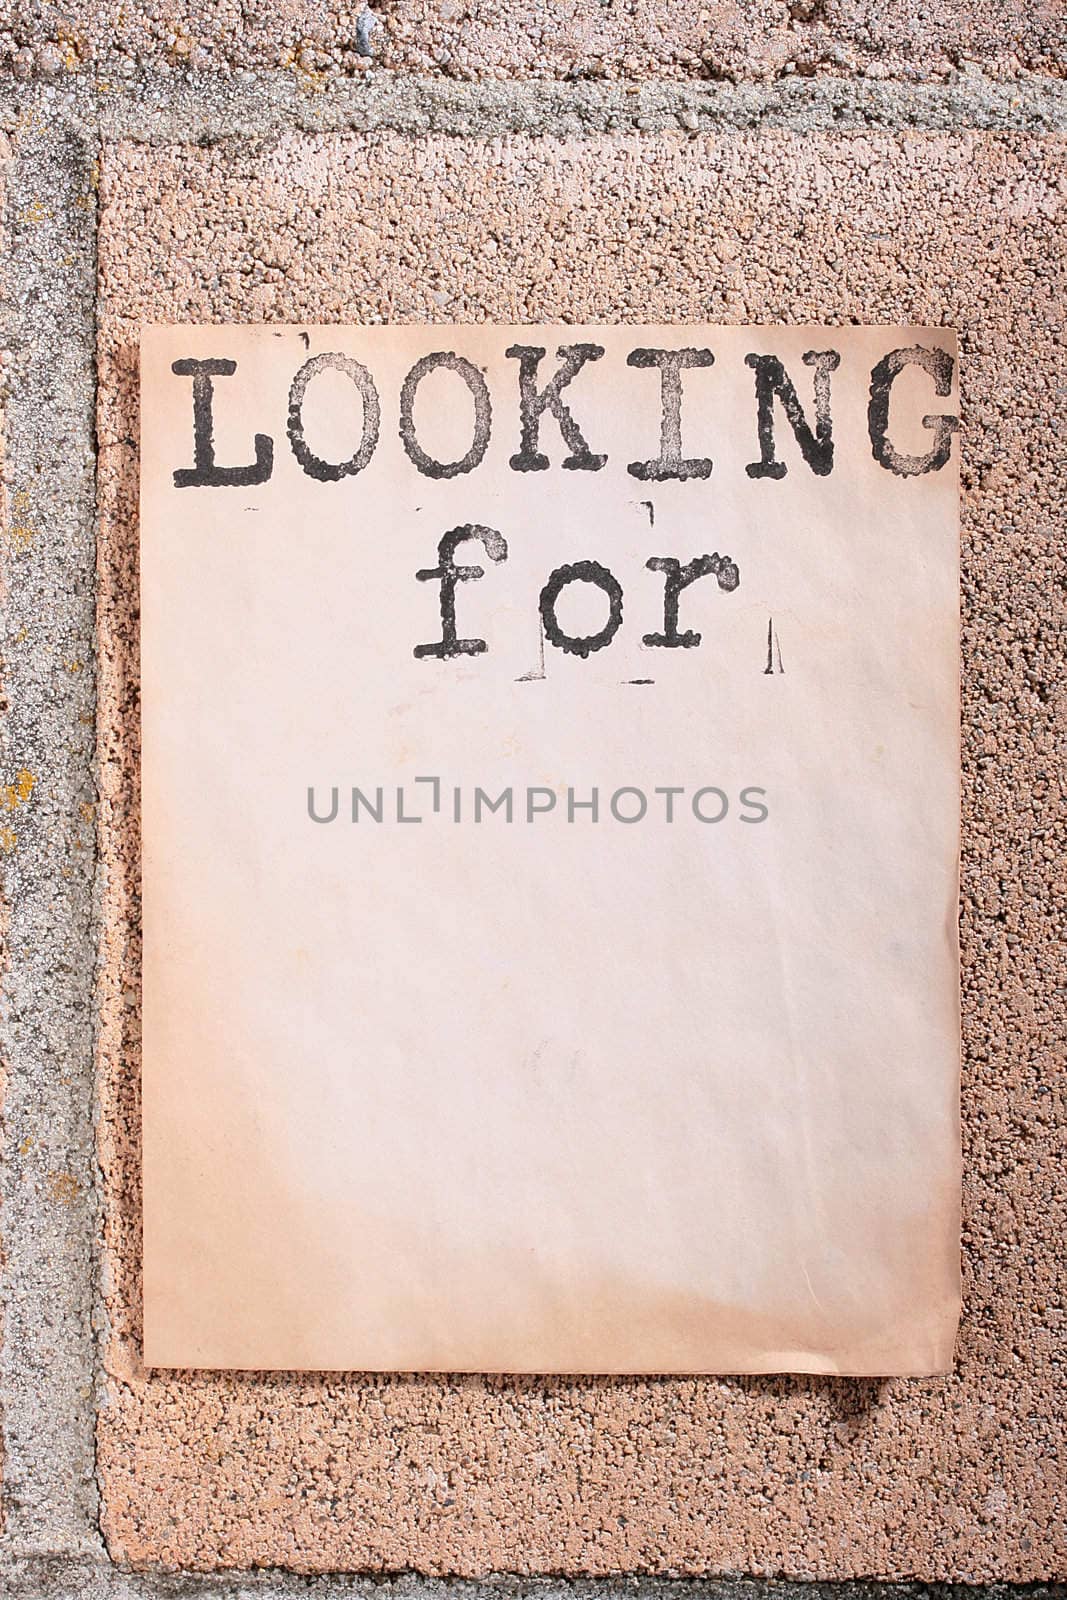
566	1092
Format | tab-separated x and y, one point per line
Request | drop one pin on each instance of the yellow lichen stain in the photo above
87	202
35	213
72	45
88	811
22	532
183	46
63	1187
21	535
27	1145
22	635
74	666
13	795
310	80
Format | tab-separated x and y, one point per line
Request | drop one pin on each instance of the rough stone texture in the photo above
959	1478
47	836
61	1579
206	108
14	794
469	39
728	1459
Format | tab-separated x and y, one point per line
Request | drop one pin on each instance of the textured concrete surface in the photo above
796	1477
47	854
756	40
965	1477
62	1579
212	107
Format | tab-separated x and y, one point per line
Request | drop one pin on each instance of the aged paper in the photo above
550	797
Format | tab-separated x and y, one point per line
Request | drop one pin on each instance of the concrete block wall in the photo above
616	160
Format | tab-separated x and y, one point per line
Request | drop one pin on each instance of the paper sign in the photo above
550	797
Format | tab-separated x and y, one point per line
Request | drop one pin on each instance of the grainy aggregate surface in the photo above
470	39
47	856
957	1478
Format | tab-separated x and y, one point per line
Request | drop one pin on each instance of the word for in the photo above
676	578
538	398
627	804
